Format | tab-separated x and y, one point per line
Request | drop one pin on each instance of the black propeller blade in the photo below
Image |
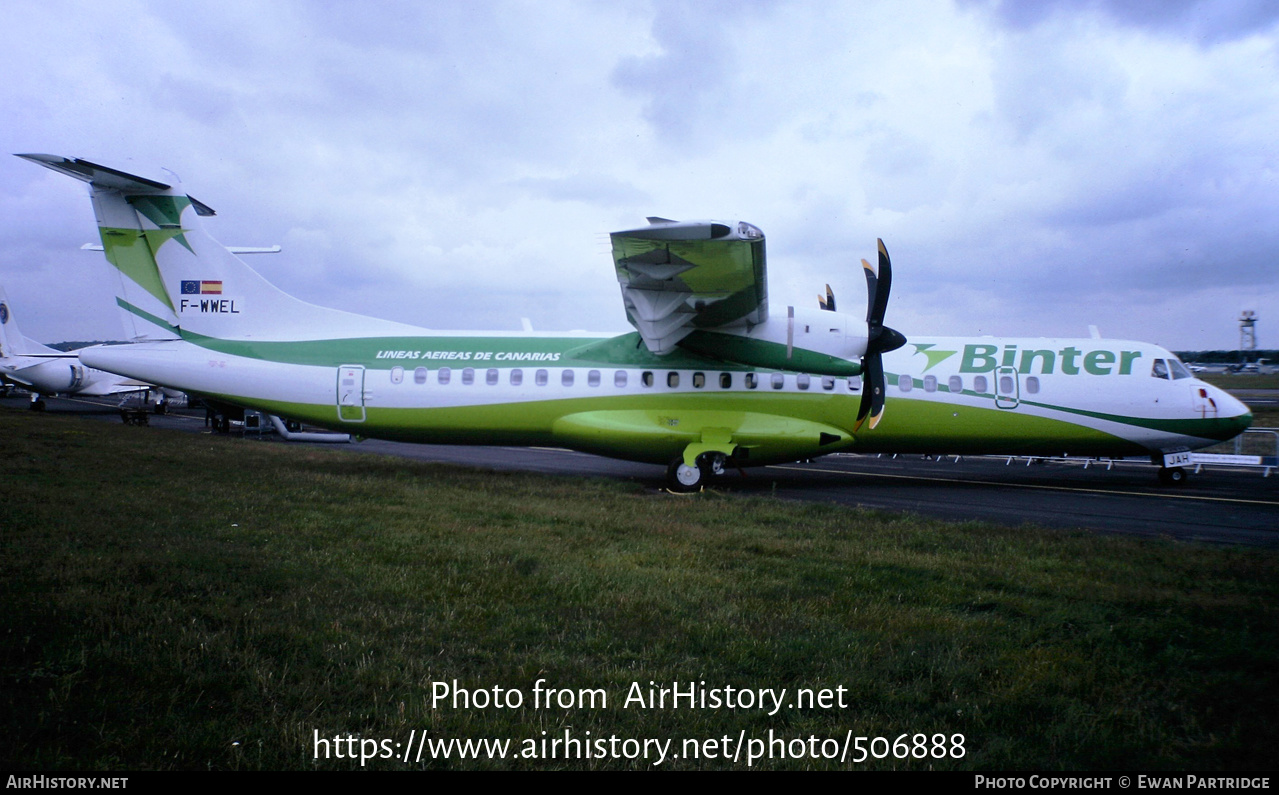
880	339
827	301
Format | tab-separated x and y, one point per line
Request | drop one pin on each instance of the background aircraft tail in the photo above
177	281
6	318
13	342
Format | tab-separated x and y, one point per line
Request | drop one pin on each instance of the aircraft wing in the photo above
678	277
120	388
7	374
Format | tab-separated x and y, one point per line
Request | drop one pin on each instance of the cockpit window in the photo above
1179	370
1159	369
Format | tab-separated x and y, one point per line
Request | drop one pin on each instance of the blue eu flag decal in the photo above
191	287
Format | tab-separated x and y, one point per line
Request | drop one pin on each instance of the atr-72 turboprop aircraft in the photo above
709	378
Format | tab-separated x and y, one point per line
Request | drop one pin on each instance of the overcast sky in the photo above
1033	167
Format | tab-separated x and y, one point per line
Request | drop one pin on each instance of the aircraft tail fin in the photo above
7	322
136	216
176	280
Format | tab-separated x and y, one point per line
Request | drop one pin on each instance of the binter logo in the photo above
1045	361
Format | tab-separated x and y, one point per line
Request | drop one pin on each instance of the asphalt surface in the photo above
1220	505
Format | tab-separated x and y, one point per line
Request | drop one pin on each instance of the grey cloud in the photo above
1026	170
593	189
1208	22
1042	78
690	85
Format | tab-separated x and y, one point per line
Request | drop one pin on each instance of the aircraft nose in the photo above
1234	411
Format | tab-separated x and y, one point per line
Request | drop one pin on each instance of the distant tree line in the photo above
1227	357
73	345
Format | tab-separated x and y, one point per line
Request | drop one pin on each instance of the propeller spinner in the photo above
880	339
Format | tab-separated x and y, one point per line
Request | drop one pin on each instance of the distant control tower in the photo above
1247	332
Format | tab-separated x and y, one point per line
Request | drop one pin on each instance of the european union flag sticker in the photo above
191	287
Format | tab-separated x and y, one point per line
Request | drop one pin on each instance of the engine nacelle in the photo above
803	340
56	376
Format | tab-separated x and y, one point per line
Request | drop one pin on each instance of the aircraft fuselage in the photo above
609	395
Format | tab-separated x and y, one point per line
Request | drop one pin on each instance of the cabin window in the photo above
397	375
930	383
956	384
566	378
725	380
802	381
672	379
445	375
468	376
905	382
490	377
1179	370
1032	385
854	385
1006	385
646	378
619	378
779	380
828	382
1159	369
752	380
699	380
593	378
419	375
541	377
979	383
517	377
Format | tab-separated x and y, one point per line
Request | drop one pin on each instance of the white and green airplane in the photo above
709	379
46	371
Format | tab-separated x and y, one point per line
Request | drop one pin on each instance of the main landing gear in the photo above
1173	476
681	477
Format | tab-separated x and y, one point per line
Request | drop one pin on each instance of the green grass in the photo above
1262	416
1265	417
1241	381
179	601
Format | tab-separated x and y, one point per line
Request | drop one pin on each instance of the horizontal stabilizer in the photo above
112	179
232	249
98	176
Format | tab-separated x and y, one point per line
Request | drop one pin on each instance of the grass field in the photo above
179	601
1262	416
1259	381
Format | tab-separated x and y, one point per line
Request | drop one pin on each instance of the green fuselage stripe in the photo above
911	424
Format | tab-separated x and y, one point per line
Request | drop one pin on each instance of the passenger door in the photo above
350	393
1007	388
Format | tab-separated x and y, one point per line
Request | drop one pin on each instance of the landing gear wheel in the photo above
37	405
1172	476
683	478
